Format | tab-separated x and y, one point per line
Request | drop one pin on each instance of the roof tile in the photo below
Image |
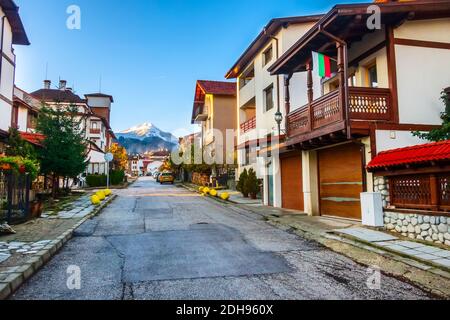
436	151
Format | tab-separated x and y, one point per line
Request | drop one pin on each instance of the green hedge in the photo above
99	180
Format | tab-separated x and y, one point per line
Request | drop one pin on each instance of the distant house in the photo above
94	112
12	33
214	110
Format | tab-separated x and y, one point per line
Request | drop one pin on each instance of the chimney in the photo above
62	84
47	84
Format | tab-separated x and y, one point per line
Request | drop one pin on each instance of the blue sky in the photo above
149	53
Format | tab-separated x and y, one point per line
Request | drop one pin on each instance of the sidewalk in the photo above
36	241
424	265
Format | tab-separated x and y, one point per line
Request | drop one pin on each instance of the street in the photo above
164	242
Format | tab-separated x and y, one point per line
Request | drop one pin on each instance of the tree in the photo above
16	146
252	184
120	161
241	185
442	133
64	152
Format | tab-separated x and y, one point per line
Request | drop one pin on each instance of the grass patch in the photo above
65	203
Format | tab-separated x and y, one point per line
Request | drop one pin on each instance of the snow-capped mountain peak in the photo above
147	130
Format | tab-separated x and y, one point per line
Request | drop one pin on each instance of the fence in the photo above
421	191
14	197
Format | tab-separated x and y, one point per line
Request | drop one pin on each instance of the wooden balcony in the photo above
326	113
95	131
248	125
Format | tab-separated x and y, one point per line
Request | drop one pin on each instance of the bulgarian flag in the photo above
321	64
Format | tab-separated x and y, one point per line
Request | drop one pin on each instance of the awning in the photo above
416	155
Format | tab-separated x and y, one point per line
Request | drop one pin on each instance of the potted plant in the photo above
241	185
252	184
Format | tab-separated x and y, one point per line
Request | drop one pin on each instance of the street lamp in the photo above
278	120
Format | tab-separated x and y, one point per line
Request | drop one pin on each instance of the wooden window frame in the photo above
265	52
265	91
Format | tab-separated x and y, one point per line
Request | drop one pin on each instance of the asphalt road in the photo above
163	242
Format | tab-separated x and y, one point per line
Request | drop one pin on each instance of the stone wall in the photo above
421	227
381	185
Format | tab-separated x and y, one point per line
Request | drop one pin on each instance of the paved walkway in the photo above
22	253
164	242
430	254
80	208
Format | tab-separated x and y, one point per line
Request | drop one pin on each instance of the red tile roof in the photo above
218	87
33	138
420	154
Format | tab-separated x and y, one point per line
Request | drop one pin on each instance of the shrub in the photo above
96	180
242	185
206	190
99	180
213	193
116	177
251	183
107	192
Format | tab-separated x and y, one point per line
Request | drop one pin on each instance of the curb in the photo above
332	241
374	245
16	278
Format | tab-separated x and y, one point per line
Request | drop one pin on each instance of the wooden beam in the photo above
392	72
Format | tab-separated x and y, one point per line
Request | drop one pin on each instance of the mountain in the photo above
146	137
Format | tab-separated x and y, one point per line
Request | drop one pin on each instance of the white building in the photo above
12	33
261	95
94	111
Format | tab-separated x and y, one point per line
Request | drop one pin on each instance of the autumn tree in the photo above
120	161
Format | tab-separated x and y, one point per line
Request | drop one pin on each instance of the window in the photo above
372	76
352	80
267	55
268	98
93	125
247	76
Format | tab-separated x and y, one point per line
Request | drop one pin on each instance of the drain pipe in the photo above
277	55
346	91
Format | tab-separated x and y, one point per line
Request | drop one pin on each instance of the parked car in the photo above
166	177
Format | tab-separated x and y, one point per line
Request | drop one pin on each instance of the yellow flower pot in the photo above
224	196
95	200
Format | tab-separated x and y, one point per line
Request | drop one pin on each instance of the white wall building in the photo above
261	95
12	33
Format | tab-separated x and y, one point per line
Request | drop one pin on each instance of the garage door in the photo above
291	182
340	179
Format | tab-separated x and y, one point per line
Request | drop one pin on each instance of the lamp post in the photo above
278	120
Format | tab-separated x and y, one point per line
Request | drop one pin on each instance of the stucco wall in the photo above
7	76
393	139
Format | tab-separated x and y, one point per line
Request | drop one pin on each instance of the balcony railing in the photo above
371	104
248	125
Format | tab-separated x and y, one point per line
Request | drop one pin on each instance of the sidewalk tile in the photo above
426	256
428	249
444	262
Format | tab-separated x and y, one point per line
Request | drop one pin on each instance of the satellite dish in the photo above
109	157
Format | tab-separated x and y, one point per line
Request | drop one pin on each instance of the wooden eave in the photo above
348	22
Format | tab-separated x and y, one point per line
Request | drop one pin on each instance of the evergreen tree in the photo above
442	133
65	146
16	146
